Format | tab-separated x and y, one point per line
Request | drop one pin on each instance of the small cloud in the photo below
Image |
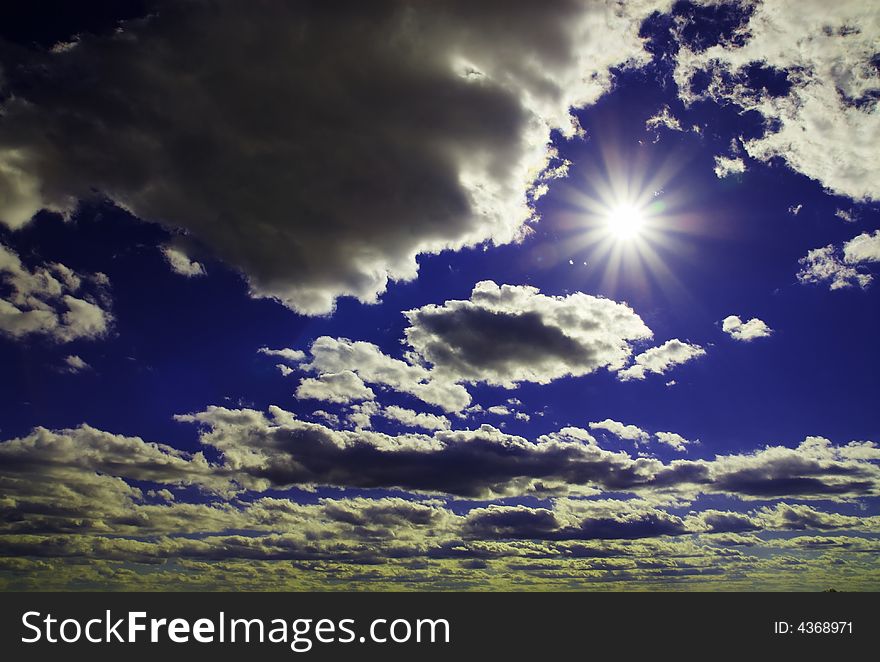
862	249
660	359
74	364
845	215
663	118
341	387
180	262
673	440
725	166
745	331
622	431
824	265
289	355
794	210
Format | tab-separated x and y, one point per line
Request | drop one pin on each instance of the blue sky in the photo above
715	244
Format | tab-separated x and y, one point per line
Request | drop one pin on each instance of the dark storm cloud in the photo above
318	147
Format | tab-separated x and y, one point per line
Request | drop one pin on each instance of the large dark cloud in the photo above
317	146
278	450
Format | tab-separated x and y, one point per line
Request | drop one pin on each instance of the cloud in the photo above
861	249
87	455
68	496
370	364
660	359
277	450
573	520
289	355
824	264
41	301
845	215
440	155
745	331
340	387
508	334
822	117
628	432
181	264
73	364
726	166
673	440
663	118
414	419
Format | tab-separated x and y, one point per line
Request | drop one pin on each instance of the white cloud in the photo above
441	155
181	264
330	355
41	301
745	331
499	410
861	249
339	387
845	215
361	415
726	166
659	359
673	440
664	118
289	355
825	265
628	432
285	370
826	125
73	363
505	334
414	419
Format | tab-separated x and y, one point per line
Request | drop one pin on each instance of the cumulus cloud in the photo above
339	387
181	264
628	432
823	118
825	265
51	300
81	494
861	249
660	359
673	440
373	366
277	450
726	166
441	155
508	334
86	455
733	326
414	419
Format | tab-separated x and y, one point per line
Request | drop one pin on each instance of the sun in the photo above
625	221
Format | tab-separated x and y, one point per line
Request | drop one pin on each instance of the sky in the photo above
571	295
